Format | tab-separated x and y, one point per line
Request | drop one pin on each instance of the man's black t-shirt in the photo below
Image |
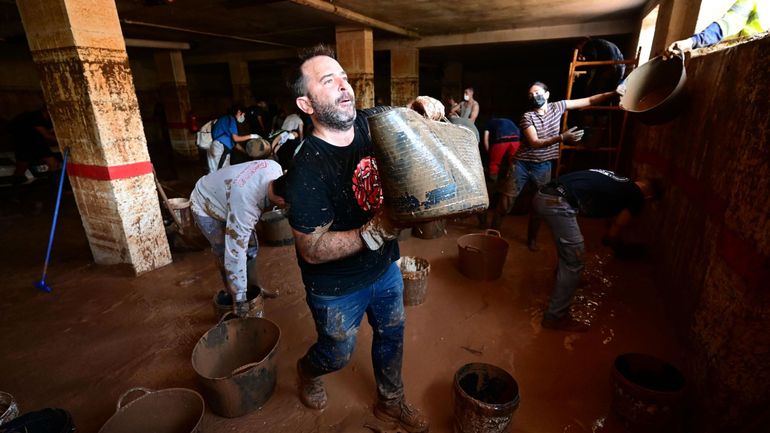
602	193
320	190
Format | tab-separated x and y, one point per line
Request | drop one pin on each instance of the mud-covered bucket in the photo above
485	398
275	228
415	271
646	392
8	408
223	302
181	208
655	90
49	420
172	410
482	256
236	365
428	169
429	229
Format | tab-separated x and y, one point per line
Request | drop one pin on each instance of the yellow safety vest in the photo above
745	18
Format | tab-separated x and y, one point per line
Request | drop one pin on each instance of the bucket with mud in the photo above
275	228
482	256
181	208
8	408
414	271
429	229
223	302
236	365
655	90
49	420
428	169
485	398
646	393
172	410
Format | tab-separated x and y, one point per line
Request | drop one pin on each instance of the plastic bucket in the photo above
223	302
485	398
236	365
429	170
655	90
172	410
646	392
276	230
414	271
429	229
47	420
8	408
181	208
482	256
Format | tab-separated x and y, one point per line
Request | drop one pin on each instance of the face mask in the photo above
466	97
241	118
537	100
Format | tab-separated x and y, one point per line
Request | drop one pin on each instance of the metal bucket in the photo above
646	392
47	420
414	271
172	410
236	365
223	302
485	398
482	256
275	228
655	90
429	170
8	408
429	229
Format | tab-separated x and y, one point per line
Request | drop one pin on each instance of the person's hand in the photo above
621	89
241	309
379	230
254	136
572	135
429	107
678	48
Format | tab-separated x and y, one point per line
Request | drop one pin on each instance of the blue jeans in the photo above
337	319
561	217
521	172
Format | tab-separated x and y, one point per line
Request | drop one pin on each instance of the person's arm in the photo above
323	245
613	233
474	112
572	104
486	140
530	137
47	134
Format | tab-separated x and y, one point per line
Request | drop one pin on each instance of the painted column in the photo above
176	102
451	84
404	75
355	52
241	82
79	50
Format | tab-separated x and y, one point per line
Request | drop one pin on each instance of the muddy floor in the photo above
102	330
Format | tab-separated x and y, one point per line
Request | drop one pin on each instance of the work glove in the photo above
678	48
241	309
572	135
379	230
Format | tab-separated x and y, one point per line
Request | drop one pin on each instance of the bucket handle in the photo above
493	232
144	391
227	316
473	249
244	367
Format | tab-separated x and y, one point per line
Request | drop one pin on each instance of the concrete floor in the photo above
103	331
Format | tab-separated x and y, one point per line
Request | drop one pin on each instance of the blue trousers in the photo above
561	217
337	319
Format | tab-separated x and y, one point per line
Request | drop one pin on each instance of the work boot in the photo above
311	389
402	413
566	323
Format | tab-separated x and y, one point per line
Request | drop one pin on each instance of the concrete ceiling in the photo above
253	25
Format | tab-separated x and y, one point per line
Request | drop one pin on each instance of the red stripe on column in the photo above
99	172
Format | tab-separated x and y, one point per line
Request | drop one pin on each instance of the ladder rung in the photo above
605	62
590	149
602	107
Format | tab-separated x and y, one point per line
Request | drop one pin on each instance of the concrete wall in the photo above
712	232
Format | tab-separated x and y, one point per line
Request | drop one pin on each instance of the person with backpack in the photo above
225	138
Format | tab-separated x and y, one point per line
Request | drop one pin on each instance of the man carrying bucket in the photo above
226	205
346	245
591	193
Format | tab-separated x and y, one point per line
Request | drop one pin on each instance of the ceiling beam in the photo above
165	45
244	56
514	35
348	14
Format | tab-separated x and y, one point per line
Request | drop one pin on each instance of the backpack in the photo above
204	137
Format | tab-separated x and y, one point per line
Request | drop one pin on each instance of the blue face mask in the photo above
537	100
241	118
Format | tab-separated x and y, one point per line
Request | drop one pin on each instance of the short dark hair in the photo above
297	82
236	108
539	84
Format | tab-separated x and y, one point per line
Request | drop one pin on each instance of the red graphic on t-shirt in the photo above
366	184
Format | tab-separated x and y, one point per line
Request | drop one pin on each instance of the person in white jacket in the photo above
226	206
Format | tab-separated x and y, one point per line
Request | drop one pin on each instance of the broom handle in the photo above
165	201
55	212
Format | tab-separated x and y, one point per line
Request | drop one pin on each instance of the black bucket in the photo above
485	398
655	91
48	420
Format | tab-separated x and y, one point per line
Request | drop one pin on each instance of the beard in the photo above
332	116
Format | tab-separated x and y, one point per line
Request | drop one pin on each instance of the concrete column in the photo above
78	48
404	75
355	52
452	82
176	102
241	82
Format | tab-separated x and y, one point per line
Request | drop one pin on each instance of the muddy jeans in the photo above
561	217
214	231
337	319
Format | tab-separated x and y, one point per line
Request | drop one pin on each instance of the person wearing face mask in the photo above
540	133
225	138
468	108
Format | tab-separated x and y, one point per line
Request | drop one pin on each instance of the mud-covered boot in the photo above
402	413
312	391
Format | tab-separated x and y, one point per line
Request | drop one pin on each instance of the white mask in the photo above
466	98
241	118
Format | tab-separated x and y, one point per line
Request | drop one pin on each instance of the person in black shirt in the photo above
33	135
591	193
346	245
